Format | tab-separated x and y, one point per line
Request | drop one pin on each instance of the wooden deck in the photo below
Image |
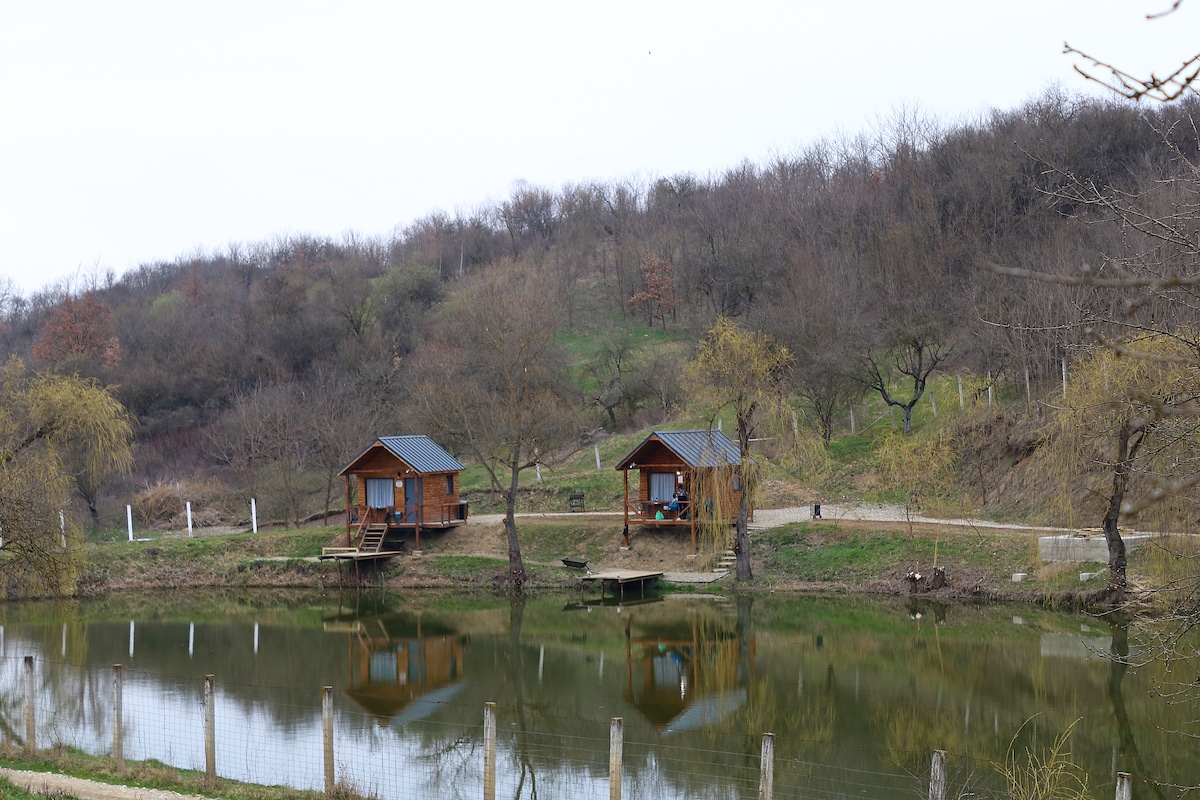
353	554
617	578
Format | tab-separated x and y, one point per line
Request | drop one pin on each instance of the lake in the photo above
857	692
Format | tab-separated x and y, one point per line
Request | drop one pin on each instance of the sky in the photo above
139	132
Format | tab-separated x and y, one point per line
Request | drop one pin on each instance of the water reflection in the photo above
401	667
856	692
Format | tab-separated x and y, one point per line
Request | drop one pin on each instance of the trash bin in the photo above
816	511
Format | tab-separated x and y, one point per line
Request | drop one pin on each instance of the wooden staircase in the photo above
371	536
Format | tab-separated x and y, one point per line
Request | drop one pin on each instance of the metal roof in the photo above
702	448
419	452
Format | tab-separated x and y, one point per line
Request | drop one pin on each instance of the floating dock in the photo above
617	578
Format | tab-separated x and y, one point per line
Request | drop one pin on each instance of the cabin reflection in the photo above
402	667
688	676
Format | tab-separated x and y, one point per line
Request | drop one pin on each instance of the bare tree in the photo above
914	358
493	385
1165	88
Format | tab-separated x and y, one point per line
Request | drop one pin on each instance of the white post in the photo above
1028	395
1124	786
616	736
989	392
852	430
933	403
189	515
1064	374
253	515
129	520
256	638
766	769
131	637
961	405
191	638
541	662
62	528
937	776
596	447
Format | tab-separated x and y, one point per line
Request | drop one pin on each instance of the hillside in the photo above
257	372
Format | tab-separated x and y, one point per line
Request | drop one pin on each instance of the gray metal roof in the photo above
702	448
421	453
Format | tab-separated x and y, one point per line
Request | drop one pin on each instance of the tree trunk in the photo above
1122	464
516	567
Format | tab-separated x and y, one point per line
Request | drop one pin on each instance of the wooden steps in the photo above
727	562
371	536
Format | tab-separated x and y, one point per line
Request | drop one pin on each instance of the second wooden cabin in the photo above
682	476
399	484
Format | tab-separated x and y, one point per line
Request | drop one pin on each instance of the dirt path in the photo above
52	784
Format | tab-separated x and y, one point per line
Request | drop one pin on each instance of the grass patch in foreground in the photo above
154	775
10	792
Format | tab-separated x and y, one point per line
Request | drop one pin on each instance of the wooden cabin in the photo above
400	484
670	467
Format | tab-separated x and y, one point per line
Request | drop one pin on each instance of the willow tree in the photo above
742	371
1126	435
53	429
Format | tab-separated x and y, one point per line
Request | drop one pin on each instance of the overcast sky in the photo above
133	132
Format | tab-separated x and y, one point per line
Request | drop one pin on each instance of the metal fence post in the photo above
766	770
327	730
616	736
937	776
118	714
210	729
489	751
30	708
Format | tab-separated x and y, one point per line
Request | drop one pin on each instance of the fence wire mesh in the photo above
432	748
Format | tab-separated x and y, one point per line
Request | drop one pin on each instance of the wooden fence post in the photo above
118	714
766	770
489	751
1124	786
327	732
210	729
616	738
30	708
937	776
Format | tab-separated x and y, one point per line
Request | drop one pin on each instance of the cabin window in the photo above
662	486
449	485
379	493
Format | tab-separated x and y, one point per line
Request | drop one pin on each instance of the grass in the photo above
150	775
12	792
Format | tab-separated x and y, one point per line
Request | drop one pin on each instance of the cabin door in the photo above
414	491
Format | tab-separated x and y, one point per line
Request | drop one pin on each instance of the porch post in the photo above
347	510
625	510
691	490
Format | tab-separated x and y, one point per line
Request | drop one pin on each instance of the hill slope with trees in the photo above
877	261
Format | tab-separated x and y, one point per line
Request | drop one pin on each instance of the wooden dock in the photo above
617	578
353	554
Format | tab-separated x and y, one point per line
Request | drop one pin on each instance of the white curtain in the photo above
379	493
662	485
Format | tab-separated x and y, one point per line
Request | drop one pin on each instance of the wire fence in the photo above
300	737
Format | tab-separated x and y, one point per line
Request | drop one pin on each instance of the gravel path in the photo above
52	784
